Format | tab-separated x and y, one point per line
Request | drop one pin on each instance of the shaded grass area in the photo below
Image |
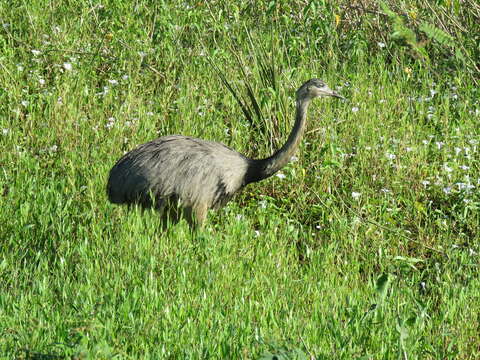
365	246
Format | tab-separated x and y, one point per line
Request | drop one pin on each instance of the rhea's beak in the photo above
337	95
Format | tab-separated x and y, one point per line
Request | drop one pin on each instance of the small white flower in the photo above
391	156
149	113
257	233
67	66
53	148
432	92
294	158
24	103
447	168
263	204
280	175
5	131
356	195
20	67
128	123
425	142
425	183
457	150
386	191
113	82
464	167
439	144
355	109
36	52
41	81
382	101
408	149
381	44
447	190
125	77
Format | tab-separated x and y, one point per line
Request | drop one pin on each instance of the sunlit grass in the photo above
364	246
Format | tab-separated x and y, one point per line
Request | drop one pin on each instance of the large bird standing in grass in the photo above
178	172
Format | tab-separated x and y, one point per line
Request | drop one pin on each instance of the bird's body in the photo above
214	172
196	174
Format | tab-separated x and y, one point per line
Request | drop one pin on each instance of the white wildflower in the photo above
464	167
281	175
5	131
447	190
425	183
41	81
24	103
439	144
356	195
381	44
67	66
150	113
36	52
391	156
113	82
355	109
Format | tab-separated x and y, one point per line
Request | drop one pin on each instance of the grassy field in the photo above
366	246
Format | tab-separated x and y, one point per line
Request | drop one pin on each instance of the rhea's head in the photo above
315	88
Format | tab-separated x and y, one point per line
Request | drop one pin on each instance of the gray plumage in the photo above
196	174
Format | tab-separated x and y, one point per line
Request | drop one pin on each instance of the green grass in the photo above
366	248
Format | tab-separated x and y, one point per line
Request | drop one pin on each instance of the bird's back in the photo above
194	170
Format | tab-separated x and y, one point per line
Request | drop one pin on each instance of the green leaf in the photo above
381	287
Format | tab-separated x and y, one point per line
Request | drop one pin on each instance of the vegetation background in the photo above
364	247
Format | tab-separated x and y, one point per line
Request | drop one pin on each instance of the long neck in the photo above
264	168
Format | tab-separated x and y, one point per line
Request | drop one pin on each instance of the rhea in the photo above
185	176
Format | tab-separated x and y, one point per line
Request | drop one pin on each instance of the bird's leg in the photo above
196	215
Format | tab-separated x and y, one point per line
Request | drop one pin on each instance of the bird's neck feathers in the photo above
264	168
